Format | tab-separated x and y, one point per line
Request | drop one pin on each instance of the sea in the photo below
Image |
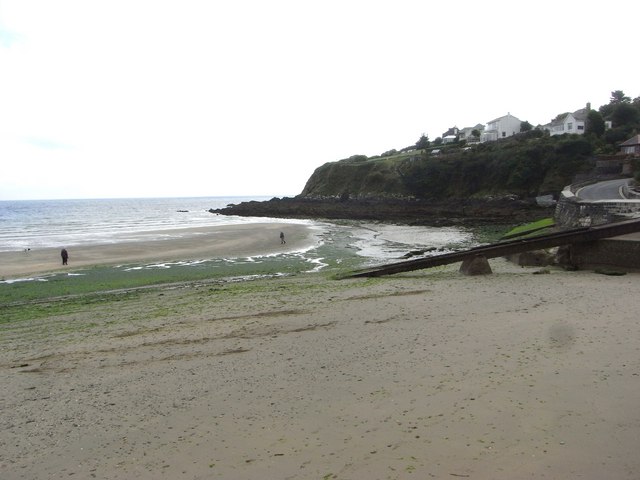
37	224
33	224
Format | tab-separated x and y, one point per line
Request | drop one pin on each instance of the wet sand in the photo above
428	375
193	243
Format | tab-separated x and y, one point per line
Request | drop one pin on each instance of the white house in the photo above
569	122
502	127
466	133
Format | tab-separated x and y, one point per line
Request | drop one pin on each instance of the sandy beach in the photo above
428	375
185	244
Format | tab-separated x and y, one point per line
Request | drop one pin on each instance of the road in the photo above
608	190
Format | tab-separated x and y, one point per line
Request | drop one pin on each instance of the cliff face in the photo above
356	178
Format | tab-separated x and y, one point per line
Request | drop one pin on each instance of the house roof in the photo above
559	118
451	131
477	127
500	118
580	115
635	140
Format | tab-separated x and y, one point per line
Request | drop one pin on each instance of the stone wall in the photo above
609	253
571	212
618	253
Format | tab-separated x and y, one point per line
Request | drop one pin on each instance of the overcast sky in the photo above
137	98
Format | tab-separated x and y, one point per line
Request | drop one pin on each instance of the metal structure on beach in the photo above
501	249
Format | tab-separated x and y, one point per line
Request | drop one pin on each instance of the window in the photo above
570	126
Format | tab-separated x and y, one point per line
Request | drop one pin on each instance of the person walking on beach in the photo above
65	256
282	238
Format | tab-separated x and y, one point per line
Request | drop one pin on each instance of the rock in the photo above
535	258
404	211
542	271
545	201
604	271
476	266
415	253
563	258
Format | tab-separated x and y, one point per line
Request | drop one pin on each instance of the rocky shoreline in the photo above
468	212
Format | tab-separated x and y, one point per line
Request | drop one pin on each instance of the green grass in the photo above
530	228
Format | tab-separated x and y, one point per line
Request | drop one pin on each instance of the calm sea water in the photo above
32	224
56	223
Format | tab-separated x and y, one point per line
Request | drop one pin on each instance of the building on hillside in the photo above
569	122
631	146
501	127
467	133
450	136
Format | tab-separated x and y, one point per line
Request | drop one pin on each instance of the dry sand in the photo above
193	243
428	375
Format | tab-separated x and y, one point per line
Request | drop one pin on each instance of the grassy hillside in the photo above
359	176
526	165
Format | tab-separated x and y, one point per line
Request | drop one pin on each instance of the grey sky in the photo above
189	98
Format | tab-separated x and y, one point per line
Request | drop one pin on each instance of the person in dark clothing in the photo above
282	238
65	256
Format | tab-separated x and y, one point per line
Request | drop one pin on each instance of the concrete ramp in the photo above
501	249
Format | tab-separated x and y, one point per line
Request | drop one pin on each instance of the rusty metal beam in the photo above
501	249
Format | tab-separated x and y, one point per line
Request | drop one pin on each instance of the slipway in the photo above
504	248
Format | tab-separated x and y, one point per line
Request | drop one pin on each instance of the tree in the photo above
595	123
618	96
475	133
625	114
423	142
525	126
616	136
